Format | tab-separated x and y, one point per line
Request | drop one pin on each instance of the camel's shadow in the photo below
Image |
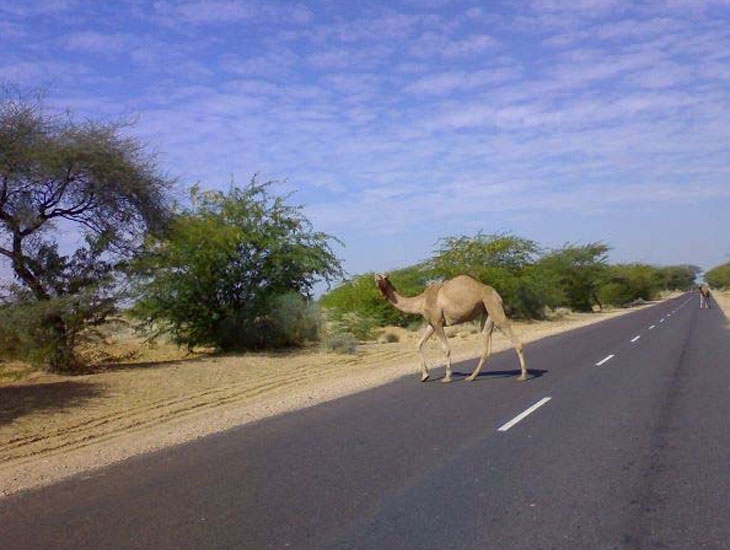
531	373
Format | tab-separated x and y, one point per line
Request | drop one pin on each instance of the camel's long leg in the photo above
496	312
507	331
487	332
426	335
439	330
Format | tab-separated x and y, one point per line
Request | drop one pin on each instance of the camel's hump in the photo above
465	284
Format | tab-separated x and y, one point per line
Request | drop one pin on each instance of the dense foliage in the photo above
360	296
679	277
529	279
719	276
235	271
56	173
576	273
626	283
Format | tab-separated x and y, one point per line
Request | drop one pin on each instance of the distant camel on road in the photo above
704	297
453	302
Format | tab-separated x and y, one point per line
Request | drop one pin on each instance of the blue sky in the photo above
401	122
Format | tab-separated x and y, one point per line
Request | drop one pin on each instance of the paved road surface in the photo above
633	453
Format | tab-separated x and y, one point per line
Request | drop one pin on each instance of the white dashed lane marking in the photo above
524	414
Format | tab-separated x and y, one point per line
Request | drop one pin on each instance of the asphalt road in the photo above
633	453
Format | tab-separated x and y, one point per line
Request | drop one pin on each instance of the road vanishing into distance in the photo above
621	440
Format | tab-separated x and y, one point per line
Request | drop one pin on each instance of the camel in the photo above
704	297
458	300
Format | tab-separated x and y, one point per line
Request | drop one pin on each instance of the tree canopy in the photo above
84	177
531	279
577	272
216	276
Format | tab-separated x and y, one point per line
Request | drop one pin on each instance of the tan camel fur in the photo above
453	302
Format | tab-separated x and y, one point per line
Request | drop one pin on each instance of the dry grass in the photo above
122	344
12	371
144	404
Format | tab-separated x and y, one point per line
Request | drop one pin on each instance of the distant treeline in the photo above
719	276
529	278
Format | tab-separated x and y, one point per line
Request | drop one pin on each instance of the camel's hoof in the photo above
522	379
470	378
424	378
446	380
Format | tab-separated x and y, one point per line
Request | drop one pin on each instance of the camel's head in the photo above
383	283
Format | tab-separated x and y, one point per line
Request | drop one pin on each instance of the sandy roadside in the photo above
60	426
723	300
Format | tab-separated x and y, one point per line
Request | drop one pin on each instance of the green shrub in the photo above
360	326
361	296
48	333
629	282
288	321
293	320
388	338
615	293
340	342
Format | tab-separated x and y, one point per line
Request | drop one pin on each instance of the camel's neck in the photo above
403	303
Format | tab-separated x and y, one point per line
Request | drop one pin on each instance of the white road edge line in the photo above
522	415
605	360
661	320
635	338
652	327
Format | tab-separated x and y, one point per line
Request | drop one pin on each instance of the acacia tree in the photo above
501	260
233	270
578	271
87	179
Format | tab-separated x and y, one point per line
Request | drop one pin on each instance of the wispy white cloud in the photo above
41	73
38	7
438	44
97	43
275	63
450	81
386	116
11	31
593	8
206	12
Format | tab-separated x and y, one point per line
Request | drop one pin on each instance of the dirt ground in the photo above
55	426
